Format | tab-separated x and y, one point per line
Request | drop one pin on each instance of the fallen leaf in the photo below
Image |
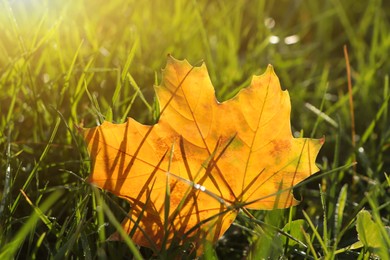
206	158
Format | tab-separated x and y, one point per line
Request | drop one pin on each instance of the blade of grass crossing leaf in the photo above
123	233
167	197
37	165
137	221
205	221
197	186
9	251
193	185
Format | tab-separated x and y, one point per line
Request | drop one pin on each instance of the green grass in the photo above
64	63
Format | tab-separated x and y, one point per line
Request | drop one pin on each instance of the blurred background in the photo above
65	64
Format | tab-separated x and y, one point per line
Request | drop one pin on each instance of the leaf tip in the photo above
270	71
270	68
172	60
322	140
170	57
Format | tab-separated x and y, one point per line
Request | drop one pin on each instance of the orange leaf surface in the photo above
207	156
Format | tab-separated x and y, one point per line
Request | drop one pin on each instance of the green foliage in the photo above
295	229
373	236
64	63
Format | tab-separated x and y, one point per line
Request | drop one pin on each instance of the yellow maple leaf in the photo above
207	156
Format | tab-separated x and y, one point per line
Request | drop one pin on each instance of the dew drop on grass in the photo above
292	39
273	39
269	22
